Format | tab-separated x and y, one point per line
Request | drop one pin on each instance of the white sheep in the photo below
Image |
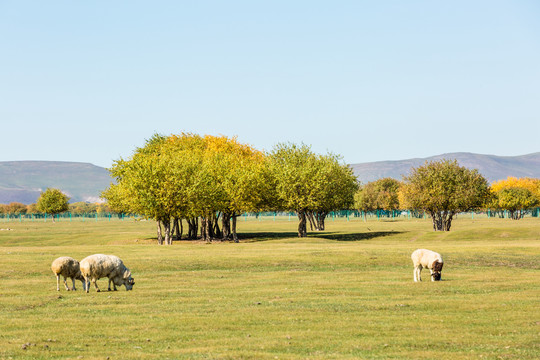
98	266
423	258
69	268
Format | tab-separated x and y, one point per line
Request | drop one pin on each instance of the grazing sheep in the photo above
69	268
98	266
423	258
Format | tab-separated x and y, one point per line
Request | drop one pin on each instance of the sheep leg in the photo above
95	284
114	285
417	272
57	282
431	272
73	281
65	284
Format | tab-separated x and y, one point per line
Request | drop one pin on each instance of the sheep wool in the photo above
68	267
97	266
427	259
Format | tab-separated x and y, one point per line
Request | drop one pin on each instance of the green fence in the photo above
348	215
68	216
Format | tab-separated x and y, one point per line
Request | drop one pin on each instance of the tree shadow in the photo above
265	236
334	236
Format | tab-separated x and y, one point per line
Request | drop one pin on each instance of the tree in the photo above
382	194
333	188
240	175
310	184
506	195
190	177
141	186
443	189
52	201
516	200
16	208
531	184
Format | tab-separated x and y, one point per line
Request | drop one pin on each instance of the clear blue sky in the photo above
371	80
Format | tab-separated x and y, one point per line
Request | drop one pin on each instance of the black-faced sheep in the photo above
98	266
423	258
68	268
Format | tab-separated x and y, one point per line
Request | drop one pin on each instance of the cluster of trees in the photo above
515	195
206	180
16	208
52	202
444	189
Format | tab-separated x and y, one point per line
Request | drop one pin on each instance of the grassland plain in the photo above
346	293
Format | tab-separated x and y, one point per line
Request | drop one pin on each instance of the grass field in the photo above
346	293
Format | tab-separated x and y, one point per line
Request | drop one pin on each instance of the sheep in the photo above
423	258
97	266
68	268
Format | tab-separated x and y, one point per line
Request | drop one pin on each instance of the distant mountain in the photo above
492	167
23	181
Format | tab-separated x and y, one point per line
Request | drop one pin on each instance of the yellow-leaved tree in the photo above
516	195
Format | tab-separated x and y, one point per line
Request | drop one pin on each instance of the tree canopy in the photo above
382	194
52	201
443	189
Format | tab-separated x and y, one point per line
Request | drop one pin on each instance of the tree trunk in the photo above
311	219
235	236
207	228
167	230
204	232
159	235
302	225
216	232
226	226
176	232
193	228
181	230
442	220
319	219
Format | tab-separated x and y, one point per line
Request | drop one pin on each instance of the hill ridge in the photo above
493	167
23	181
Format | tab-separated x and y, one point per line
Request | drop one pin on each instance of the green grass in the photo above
346	293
